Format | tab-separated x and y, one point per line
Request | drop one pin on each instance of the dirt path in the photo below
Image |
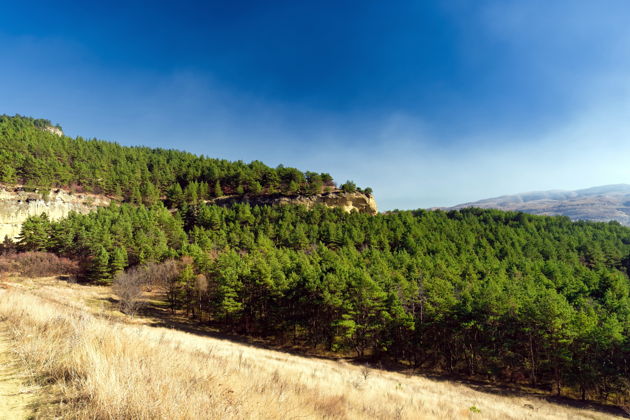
16	397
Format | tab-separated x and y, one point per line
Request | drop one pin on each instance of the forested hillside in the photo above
479	293
485	293
35	157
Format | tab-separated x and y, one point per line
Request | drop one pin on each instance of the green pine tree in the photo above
118	261
35	234
99	269
218	192
175	195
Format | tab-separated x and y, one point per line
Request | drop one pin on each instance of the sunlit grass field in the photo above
112	367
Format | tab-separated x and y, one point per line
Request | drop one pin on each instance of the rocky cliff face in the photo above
55	130
16	205
346	201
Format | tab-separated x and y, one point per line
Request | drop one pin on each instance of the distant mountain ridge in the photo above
599	204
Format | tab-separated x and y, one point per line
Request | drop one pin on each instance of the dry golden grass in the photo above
110	369
16	399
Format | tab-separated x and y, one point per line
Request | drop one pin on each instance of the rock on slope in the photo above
360	202
16	205
600	204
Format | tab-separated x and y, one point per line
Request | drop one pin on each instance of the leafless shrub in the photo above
365	371
8	265
130	284
201	284
164	277
161	275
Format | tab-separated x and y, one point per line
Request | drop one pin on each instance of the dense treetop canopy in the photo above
35	157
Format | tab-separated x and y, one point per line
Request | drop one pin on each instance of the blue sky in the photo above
429	103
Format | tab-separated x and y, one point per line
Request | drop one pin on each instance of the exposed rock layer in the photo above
16	205
348	202
55	130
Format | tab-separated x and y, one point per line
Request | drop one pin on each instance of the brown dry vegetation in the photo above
114	367
37	264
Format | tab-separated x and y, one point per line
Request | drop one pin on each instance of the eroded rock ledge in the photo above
17	204
348	202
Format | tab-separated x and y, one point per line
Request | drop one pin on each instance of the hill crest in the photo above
599	204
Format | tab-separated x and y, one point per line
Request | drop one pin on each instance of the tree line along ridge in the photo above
36	158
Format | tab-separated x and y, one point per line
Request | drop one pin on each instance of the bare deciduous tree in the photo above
130	284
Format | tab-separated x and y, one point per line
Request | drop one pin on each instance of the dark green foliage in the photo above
203	191
218	192
256	188
315	183
349	187
35	234
473	292
99	268
119	261
191	193
130	235
150	194
37	158
293	188
175	196
7	246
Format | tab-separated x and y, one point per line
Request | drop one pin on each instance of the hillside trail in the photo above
16	398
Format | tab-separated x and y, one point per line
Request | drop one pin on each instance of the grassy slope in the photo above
16	399
113	367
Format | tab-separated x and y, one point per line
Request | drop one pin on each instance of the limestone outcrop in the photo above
16	205
348	202
55	130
